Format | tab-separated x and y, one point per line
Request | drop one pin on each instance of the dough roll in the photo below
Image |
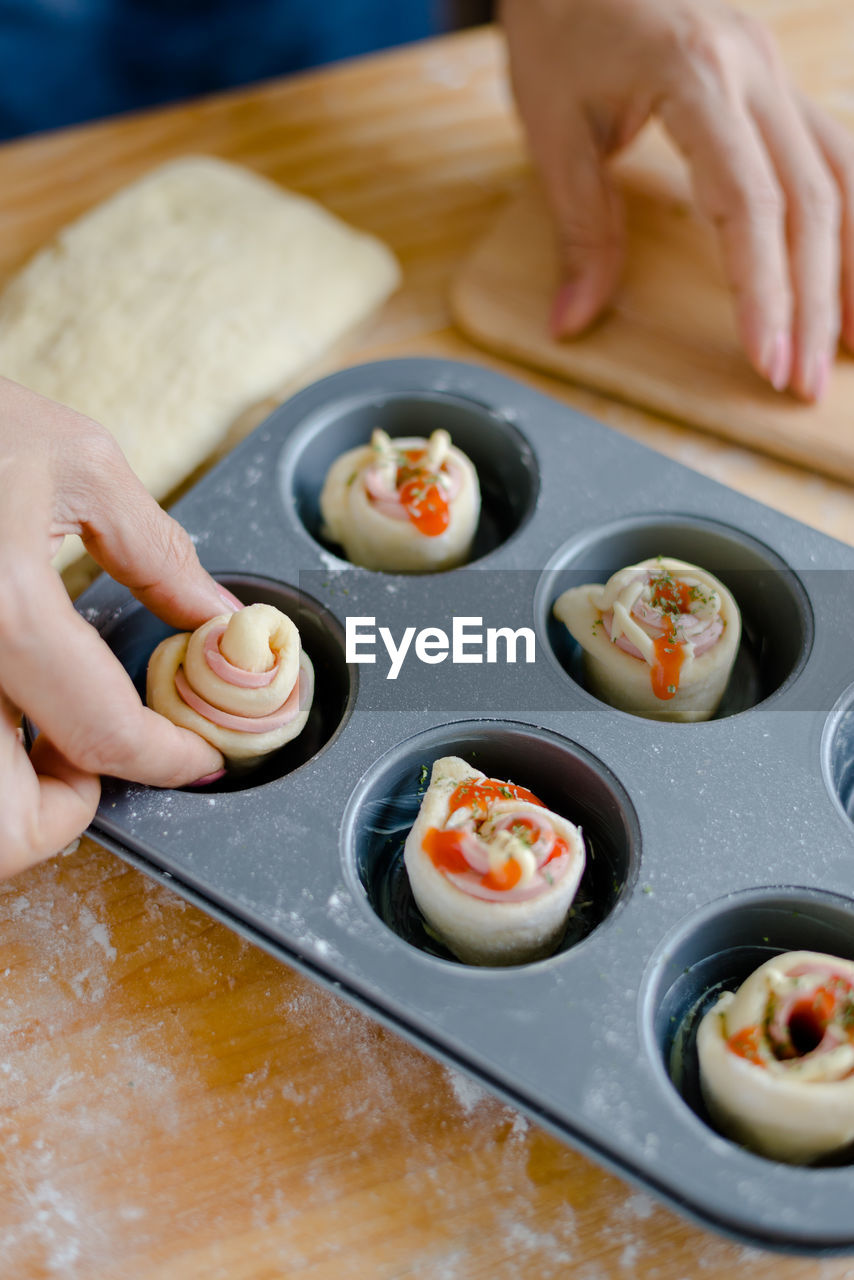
242	681
407	505
493	871
659	638
777	1058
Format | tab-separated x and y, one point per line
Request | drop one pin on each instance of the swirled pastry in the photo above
659	638
493	871
777	1058
242	681
407	505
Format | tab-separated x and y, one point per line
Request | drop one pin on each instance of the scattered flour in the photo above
495	1196
468	1093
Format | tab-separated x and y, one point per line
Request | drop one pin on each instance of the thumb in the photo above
588	216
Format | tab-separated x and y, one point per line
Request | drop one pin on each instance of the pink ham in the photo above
471	884
476	853
702	632
385	498
244	724
787	1007
226	670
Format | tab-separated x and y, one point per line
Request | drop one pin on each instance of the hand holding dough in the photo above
242	681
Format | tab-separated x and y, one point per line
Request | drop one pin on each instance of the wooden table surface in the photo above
176	1103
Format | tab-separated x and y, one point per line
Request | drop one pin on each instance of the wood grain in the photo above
668	342
177	1105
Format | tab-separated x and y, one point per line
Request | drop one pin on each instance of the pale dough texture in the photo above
623	680
246	666
376	541
795	1108
182	301
478	931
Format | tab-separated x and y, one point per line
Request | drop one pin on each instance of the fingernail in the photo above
564	299
208	778
821	376
779	367
232	601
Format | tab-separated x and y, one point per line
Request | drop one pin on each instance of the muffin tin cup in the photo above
776	616
711	951
133	633
507	473
304	857
569	780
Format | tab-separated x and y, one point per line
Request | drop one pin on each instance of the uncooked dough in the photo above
659	638
242	681
402	505
777	1058
493	871
182	301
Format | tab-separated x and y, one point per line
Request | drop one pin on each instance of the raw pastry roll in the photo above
493	871
777	1058
659	638
242	681
407	505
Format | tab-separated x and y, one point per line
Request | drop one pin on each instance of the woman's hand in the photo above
61	473
773	172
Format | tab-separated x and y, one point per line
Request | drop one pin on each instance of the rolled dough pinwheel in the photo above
777	1058
493	871
242	681
659	638
407	505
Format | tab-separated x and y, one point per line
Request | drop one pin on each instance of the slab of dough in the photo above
180	302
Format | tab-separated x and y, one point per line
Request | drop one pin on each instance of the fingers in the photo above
70	476
588	217
141	546
837	148
762	174
813	240
60	472
81	697
45	801
737	188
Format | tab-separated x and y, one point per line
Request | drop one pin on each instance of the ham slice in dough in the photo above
777	1058
493	871
659	638
407	505
242	681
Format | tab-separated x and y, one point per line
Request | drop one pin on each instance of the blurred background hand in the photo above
773	173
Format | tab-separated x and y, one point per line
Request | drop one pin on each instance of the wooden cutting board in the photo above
668	342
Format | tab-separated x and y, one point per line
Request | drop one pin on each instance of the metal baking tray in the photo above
710	845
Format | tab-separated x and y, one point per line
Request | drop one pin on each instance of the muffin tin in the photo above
710	845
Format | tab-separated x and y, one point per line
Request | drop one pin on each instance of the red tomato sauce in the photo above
421	494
